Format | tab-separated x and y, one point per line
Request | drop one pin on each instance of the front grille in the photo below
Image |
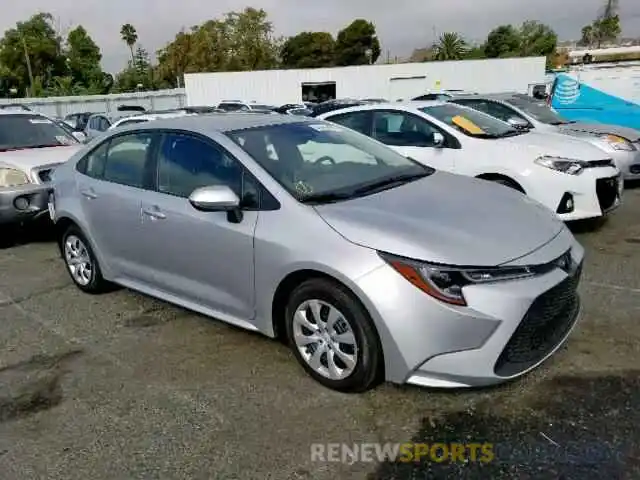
544	326
45	175
600	163
607	191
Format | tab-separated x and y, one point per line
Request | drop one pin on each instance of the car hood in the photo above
558	145
30	158
630	134
446	218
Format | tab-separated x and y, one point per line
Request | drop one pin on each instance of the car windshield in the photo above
470	122
22	131
538	110
322	162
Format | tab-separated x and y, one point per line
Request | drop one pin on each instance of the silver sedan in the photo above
371	265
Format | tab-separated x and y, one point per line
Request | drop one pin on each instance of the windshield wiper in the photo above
393	181
329	197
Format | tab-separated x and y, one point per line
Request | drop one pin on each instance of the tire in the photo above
72	245
366	369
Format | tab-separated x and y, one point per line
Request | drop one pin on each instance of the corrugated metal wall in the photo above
392	81
61	106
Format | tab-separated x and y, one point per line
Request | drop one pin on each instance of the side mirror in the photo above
215	198
518	123
80	136
438	140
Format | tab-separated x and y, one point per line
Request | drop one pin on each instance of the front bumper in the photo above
34	196
594	193
507	329
628	163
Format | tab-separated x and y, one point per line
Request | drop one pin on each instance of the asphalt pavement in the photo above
121	386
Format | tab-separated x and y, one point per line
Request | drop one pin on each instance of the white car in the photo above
146	117
570	176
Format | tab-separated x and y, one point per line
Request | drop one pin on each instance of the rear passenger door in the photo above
116	176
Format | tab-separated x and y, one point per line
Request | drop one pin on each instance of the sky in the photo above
402	25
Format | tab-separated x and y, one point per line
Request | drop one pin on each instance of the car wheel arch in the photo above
505	179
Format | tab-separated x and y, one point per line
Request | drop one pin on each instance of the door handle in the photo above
154	213
90	194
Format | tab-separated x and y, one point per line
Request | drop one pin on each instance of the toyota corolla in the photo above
298	228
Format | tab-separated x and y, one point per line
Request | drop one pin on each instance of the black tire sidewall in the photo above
368	363
97	283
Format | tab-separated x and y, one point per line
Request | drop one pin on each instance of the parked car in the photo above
99	123
239	105
524	112
393	270
570	176
80	136
442	95
336	104
31	147
134	119
293	109
78	121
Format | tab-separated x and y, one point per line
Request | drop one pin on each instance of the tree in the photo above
239	41
537	39
355	42
502	41
138	74
129	35
308	50
450	46
83	60
31	55
605	28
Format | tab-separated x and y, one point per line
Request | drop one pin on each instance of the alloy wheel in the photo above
78	260
325	339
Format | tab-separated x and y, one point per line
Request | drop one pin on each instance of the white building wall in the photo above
393	81
622	81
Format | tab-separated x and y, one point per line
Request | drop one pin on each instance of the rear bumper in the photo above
34	197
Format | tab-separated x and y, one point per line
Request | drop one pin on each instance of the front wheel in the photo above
333	337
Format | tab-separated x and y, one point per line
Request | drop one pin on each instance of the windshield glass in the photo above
538	110
318	162
31	131
470	122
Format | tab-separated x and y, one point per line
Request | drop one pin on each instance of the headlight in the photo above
10	177
564	165
446	283
619	143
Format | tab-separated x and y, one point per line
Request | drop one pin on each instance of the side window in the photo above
186	163
127	159
358	121
93	164
92	123
104	124
402	129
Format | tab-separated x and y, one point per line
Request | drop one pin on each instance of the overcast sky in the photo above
402	24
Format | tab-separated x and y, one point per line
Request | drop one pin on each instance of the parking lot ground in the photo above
121	386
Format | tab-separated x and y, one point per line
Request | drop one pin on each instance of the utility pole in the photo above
26	57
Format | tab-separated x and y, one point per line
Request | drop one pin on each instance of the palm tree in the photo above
451	46
129	36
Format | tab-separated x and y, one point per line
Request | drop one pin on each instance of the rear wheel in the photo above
81	262
333	337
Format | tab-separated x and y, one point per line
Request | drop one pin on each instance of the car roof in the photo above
412	105
220	122
116	115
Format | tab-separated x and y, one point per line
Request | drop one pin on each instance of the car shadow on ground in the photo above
40	231
575	427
